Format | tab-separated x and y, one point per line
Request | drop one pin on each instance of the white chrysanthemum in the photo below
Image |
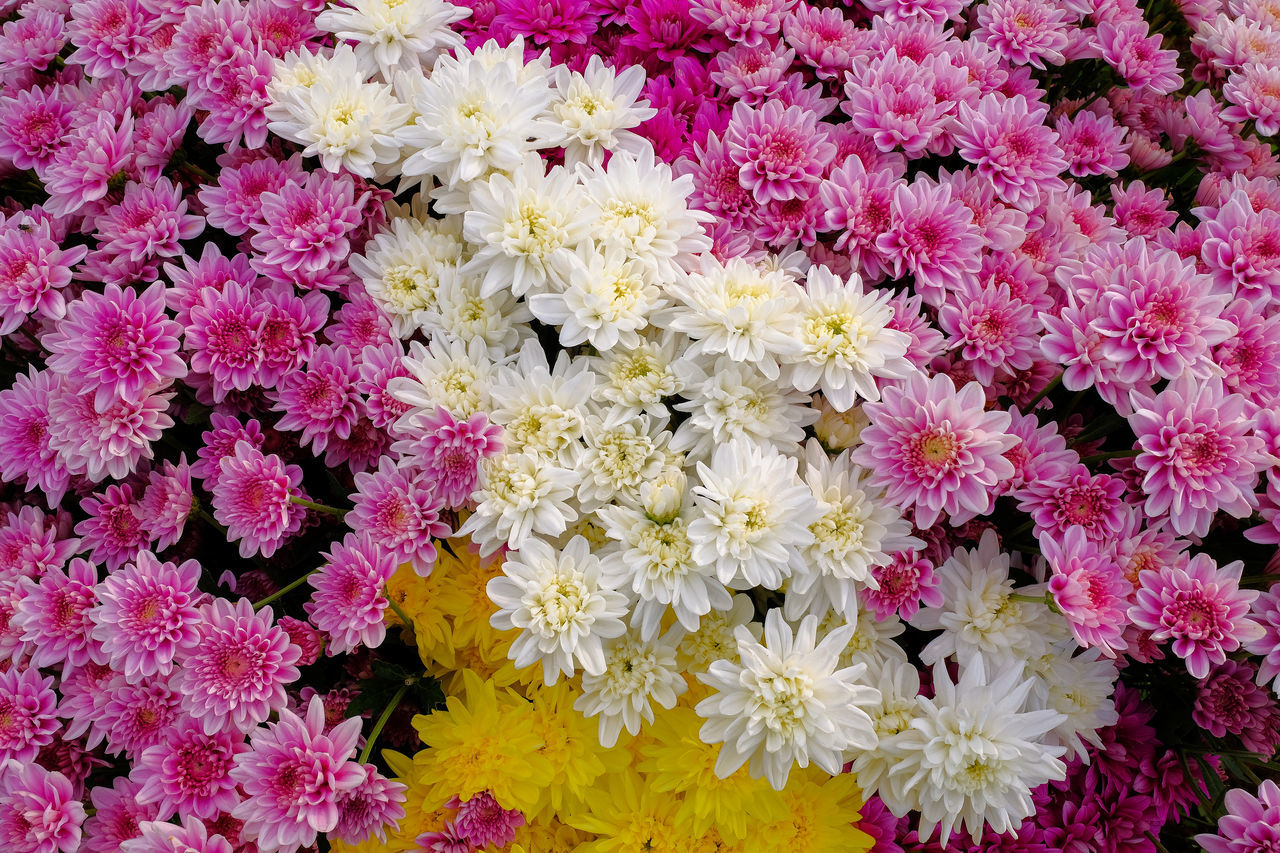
393	35
301	69
1078	686
639	378
838	430
644	212
656	562
899	684
844	340
853	529
543	411
519	496
637	673
562	606
740	309
872	642
973	754
979	616
621	453
606	301
594	110
715	638
754	510
461	313
786	703
473	119
443	373
527	228
344	122
727	400
403	266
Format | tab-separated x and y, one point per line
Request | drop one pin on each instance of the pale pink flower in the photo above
189	773
1025	32
321	399
1127	48
1009	143
146	614
1092	143
932	237
449	452
1089	588
780	152
39	812
349	597
399	513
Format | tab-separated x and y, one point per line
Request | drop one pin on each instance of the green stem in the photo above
210	520
1029	599
325	508
283	591
396	609
1044	392
1156	841
1112	454
382	721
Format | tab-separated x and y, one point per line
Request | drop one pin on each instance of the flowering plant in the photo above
550	425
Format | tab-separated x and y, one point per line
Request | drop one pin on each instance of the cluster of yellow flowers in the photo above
505	732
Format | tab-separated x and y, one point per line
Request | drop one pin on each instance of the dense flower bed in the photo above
686	425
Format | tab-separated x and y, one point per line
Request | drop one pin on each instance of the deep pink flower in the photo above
162	837
1075	499
1200	607
483	822
253	498
1127	48
665	29
158	133
1197	453
220	442
1140	211
33	272
80	171
348	601
117	814
359	323
112	533
234	676
449	452
905	584
167	503
117	344
547	23
27	452
378	366
932	237
234	203
1251	823
146	614
287	335
1008	142
150	221
716	188
936	449
107	442
210	271
225	337
994	331
39	812
447	840
34	124
53	615
282	27
857	203
293	777
28	718
369	809
306	226
399	514
1229	701
206	30
320	400
236	99
1250	357
133	714
1025	32
189	774
109	35
1089	588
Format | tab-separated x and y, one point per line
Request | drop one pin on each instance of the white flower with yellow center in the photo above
461	313
392	35
300	70
527	228
641	377
561	605
543	411
899	684
738	308
621	453
787	703
519	496
595	108
606	301
443	373
1078	686
974	753
844	341
753	513
644	212
853	529
637	674
403	266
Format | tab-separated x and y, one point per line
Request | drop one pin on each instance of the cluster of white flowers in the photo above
658	487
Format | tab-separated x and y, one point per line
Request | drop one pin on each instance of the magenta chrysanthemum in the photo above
449	452
27	713
306	226
1011	146
53	615
109	441
780	151
293	776
133	715
236	672
399	515
349	599
936	449
1200	607
112	533
483	822
190	772
253	497
33	272
39	811
147	613
225	337
321	400
905	583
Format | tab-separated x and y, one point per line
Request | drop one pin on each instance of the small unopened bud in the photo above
663	496
838	430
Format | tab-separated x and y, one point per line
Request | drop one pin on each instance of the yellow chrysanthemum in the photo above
628	817
677	761
487	657
820	814
546	833
464	599
571	744
484	740
432	630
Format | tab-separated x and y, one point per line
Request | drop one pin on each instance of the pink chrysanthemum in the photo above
378	366
221	442
32	40
190	772
359	323
1242	249
81	170
253	498
116	816
936	449
1266	612
307	226
234	204
112	533
236	99
780	152
743	23
303	635
1089	588
716	188
369	809
1092	144
665	29
857	203
1008	142
1127	48
449	452
211	270
992	330
399	515
320	400
293	777
33	272
39	812
1025	32
1200	607
1250	358
891	100
553	24
132	715
283	27
109	35
28	718
906	583
149	222
287	335
27	452
53	615
1229	701
752	74
823	39
1075	499
1251	823
447	840
162	837
236	672
33	125
348	601
483	822
117	344
225	337
157	135
932	237
146	614
1140	211
32	543
167	503
1197	453
205	30
106	442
